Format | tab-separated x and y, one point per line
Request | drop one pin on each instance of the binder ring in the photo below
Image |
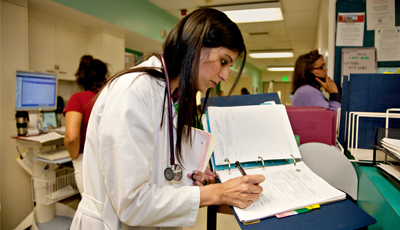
229	165
294	159
262	162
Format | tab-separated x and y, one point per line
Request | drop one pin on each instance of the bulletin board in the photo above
359	6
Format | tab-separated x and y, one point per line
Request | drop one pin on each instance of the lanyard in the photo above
171	135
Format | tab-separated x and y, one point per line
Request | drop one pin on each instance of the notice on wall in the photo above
358	60
387	43
350	29
380	14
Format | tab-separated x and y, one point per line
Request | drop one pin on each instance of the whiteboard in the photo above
358	60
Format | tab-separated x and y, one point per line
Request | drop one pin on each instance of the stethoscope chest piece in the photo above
173	173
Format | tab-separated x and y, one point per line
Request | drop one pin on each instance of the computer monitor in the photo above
35	91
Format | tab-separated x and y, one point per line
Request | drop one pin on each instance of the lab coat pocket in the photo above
88	222
90	215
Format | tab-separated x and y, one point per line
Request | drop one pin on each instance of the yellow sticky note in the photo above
313	206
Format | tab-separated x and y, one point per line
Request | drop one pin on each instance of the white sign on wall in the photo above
358	60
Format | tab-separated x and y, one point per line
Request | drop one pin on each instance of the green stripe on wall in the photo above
143	17
140	16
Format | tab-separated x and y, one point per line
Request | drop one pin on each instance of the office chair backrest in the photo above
313	124
331	165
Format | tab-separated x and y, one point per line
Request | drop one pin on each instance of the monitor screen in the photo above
35	91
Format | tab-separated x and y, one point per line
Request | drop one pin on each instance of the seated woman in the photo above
310	74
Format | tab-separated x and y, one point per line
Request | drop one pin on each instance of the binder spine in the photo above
255	164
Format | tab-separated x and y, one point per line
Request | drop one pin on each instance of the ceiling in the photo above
296	31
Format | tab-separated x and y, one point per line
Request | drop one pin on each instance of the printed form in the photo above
246	132
286	187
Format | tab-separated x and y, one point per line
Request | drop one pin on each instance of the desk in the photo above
339	215
47	186
379	196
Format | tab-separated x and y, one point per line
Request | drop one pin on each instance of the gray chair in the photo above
331	165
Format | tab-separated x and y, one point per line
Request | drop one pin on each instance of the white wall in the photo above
55	41
321	36
325	35
0	114
16	200
15	186
109	47
245	81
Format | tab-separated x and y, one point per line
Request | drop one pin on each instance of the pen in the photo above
239	166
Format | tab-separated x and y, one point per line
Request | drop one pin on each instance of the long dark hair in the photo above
202	28
92	73
301	74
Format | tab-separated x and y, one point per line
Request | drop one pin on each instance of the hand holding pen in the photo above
239	166
242	191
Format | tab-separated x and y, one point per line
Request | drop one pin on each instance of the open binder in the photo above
261	138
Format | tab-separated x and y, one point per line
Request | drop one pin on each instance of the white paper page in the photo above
246	132
395	143
380	14
285	188
393	170
350	29
387	43
205	126
197	156
391	150
391	147
43	138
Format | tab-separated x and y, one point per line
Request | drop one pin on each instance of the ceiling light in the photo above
271	54
280	68
256	12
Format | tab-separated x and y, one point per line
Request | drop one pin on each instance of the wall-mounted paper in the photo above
350	29
387	43
380	14
358	60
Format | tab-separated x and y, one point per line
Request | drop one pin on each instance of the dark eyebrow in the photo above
230	58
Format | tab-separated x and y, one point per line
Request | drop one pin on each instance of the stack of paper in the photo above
393	170
44	138
392	145
197	155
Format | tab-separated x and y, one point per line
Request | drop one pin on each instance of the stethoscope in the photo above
175	171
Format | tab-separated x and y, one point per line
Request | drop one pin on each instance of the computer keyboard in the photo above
53	154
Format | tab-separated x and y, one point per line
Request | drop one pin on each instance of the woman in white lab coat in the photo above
127	150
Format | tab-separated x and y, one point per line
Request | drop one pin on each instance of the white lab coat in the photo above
126	153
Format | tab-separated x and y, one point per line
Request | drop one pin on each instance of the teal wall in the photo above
140	16
143	17
255	75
